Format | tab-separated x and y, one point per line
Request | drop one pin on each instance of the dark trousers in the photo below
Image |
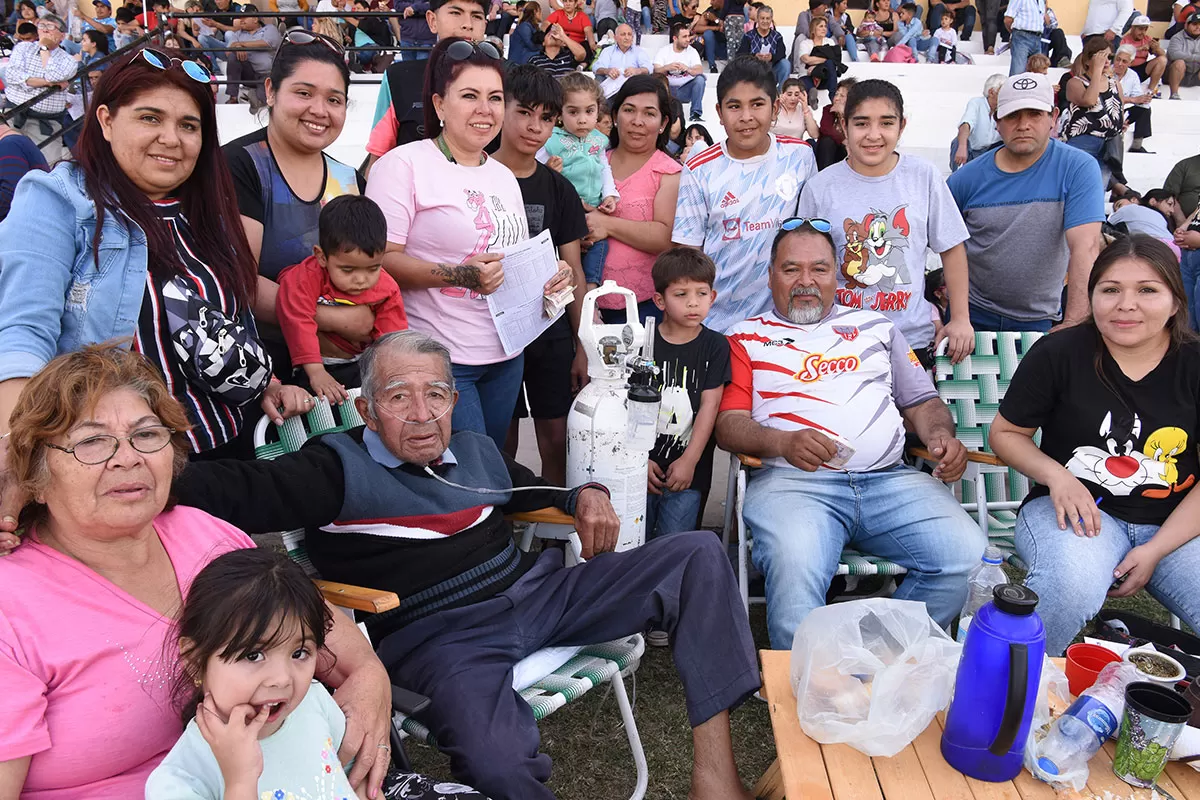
462	659
1058	49
238	72
1139	118
829	151
989	17
964	20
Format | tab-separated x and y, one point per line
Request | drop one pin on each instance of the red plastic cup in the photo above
1084	662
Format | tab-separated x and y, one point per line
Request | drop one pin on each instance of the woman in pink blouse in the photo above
92	590
648	180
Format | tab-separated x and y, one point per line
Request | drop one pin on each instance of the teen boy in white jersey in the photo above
733	195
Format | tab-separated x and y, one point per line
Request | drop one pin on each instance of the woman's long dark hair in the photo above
207	196
442	71
643	84
1156	255
243	601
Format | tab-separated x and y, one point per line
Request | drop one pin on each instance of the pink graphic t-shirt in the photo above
446	213
86	668
627	265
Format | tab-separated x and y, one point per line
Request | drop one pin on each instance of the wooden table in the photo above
806	770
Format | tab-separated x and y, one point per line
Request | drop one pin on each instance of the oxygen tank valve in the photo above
644	402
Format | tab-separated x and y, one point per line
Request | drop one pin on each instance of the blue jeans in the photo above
984	320
782	71
964	19
1189	268
647	23
971	154
413	55
852	46
672	512
1022	45
593	262
1071	574
487	395
802	521
207	41
691	93
714	48
1094	146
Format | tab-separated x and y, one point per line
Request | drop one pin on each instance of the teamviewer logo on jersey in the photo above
733	229
730	199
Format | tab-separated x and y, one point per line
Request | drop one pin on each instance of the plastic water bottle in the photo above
1088	723
985	577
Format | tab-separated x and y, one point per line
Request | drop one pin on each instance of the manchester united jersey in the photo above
731	209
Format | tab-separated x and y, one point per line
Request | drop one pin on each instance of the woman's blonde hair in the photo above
66	391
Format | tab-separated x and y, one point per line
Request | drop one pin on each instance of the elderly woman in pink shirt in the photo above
648	180
90	593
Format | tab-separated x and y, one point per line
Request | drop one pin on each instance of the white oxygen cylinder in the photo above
598	448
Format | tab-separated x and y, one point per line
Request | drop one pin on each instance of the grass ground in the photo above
590	752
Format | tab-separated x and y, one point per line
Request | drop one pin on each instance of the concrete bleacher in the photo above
935	97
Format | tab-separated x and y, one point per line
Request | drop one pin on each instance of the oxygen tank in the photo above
604	445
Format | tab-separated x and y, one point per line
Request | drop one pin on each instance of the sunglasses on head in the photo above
304	37
160	60
816	223
462	50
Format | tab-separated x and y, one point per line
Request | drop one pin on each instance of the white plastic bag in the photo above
871	673
1054	681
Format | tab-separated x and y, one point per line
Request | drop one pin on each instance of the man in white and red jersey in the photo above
733	195
821	393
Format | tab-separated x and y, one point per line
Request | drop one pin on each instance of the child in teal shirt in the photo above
580	152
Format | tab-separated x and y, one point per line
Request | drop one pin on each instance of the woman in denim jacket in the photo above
140	240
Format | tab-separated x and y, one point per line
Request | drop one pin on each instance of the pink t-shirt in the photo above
446	213
627	265
85	668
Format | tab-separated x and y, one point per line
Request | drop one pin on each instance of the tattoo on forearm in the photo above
463	275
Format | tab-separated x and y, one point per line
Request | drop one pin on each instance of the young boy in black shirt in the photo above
554	367
695	368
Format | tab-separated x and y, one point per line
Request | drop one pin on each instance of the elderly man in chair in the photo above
821	393
404	506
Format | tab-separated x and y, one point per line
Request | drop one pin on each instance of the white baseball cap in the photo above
1140	21
1025	90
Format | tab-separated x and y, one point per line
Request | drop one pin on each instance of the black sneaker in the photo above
696	116
1141	150
712	68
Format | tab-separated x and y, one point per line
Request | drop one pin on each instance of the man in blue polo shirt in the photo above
1033	208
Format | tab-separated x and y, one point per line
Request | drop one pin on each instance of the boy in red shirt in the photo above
344	269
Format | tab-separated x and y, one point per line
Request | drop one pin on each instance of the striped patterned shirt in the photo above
847	376
1027	15
214	422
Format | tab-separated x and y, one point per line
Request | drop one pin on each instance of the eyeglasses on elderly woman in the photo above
102	447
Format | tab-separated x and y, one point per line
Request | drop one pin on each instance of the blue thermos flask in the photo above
996	687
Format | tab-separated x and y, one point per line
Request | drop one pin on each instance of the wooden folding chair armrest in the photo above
548	516
974	456
753	462
359	598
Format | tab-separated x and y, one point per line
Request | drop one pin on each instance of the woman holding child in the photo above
283	178
449	209
139	240
1114	509
648	181
91	592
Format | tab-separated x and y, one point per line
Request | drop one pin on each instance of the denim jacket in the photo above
54	295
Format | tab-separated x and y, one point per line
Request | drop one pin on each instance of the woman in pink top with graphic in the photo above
449	208
648	180
91	591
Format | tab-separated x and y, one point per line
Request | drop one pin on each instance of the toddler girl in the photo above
582	151
251	636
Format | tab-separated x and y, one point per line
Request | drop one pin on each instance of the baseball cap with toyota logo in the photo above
1025	90
1140	21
